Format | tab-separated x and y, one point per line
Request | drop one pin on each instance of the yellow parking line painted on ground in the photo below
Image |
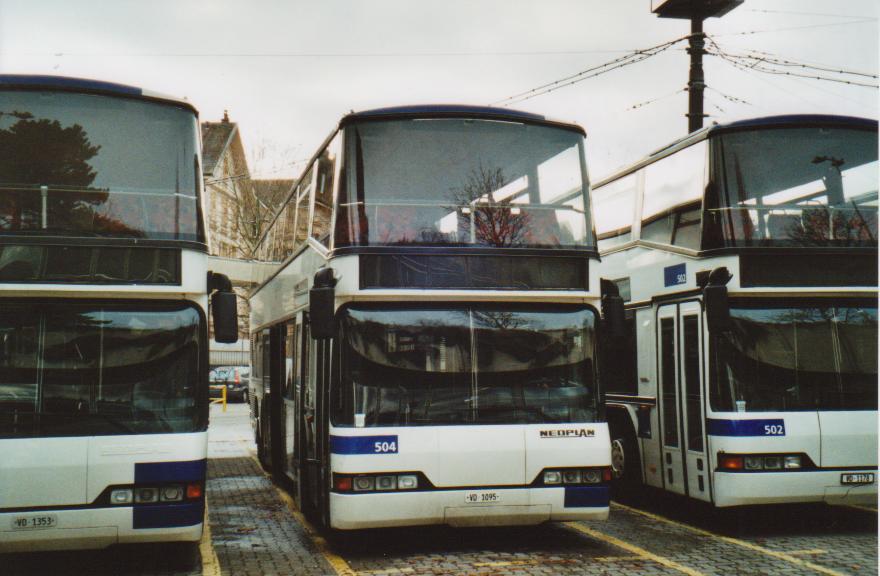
640	552
210	562
337	562
811	552
735	541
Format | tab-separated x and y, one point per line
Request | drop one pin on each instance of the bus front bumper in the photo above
748	488
515	506
94	528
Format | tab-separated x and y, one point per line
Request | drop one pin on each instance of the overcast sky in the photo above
287	70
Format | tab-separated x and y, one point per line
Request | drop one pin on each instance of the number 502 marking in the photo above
774	430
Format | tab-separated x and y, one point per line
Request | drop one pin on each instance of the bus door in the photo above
290	383
264	357
310	461
680	363
276	398
692	374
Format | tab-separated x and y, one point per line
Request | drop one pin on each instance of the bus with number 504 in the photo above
747	256
104	293
426	322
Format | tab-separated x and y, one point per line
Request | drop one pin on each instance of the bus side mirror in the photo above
715	301
612	310
322	305
224	313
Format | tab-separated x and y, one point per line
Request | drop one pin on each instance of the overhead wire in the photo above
657	99
626	60
760	64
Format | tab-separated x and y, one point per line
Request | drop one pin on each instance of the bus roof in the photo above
795	120
84	85
455	111
781	121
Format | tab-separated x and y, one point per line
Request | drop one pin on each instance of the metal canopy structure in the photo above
688	9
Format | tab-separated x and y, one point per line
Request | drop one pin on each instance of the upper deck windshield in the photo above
806	186
92	165
464	365
69	369
463	182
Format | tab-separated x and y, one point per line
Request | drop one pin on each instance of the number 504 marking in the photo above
385	448
774	430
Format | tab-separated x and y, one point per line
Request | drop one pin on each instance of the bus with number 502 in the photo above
747	256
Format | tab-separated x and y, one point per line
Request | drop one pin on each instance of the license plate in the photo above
482	497
857	478
34	522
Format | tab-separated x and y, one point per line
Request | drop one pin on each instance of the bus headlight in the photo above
552	477
574	476
121	496
144	495
364	483
571	476
754	463
592	476
172	494
763	462
407	482
386	482
772	463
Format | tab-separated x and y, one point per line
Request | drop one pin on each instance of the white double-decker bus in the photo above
425	325
747	254
103	329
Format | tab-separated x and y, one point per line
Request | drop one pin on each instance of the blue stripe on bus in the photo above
587	497
168	515
188	471
363	444
759	427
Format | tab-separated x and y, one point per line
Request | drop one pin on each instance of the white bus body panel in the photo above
459	460
38	472
848	438
67	472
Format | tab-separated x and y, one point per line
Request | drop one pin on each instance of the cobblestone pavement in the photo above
253	531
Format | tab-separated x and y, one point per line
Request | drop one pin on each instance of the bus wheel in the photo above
625	465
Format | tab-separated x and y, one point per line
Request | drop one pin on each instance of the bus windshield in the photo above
91	165
463	182
786	358
810	186
69	369
459	366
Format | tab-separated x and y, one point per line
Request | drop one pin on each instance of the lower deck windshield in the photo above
787	358
80	369
465	365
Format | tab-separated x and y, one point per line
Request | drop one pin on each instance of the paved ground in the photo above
255	531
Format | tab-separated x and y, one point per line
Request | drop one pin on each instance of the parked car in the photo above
235	378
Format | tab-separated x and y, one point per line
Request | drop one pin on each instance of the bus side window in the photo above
671	208
323	210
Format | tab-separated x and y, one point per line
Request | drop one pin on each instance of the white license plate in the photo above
482	497
857	478
34	522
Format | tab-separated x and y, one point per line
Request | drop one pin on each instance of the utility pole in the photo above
696	11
